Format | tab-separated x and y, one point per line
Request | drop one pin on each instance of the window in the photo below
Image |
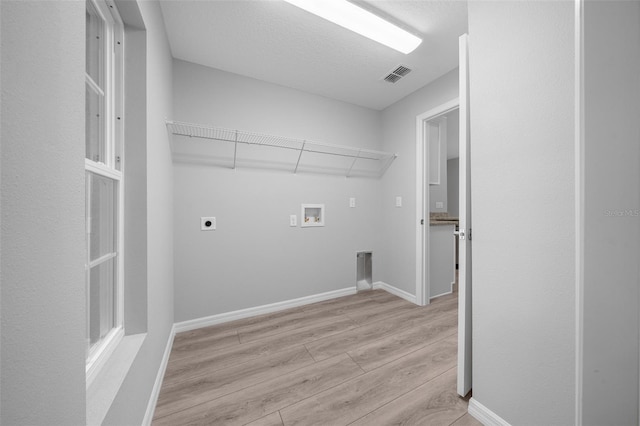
103	182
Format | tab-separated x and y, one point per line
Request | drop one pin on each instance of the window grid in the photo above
103	183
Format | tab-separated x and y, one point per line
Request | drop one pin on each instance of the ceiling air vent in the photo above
397	74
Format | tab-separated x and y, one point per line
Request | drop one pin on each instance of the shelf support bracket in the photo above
235	150
388	164
353	163
299	157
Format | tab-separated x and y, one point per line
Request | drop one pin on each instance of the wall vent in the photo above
395	75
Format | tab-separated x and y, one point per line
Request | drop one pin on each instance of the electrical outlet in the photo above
439	205
207	223
293	220
352	202
398	201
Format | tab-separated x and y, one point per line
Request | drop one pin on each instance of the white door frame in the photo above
422	199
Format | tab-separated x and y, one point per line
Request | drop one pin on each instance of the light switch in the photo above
207	223
293	220
398	201
352	202
439	205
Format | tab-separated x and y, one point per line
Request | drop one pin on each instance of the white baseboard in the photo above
155	392
441	294
395	291
484	415
259	310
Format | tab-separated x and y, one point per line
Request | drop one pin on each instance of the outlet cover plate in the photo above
208	223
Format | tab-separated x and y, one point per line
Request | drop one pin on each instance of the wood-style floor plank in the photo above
212	360
350	340
384	350
331	306
272	419
370	357
257	401
195	342
365	297
191	347
179	394
380	310
356	398
434	403
466	420
277	326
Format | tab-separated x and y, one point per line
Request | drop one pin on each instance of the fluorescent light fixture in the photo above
361	21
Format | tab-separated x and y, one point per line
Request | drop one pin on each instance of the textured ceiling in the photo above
273	41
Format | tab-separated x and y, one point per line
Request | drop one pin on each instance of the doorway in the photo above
442	140
425	132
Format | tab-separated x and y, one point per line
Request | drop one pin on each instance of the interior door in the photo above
464	235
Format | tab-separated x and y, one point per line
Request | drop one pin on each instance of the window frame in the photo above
112	132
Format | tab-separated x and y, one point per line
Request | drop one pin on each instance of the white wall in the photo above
254	257
0	224
135	170
42	377
131	402
612	222
522	168
43	288
398	252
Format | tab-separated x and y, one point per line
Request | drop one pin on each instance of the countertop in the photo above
436	219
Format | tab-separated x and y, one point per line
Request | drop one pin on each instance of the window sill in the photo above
104	388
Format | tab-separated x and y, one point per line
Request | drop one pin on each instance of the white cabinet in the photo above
442	267
436	132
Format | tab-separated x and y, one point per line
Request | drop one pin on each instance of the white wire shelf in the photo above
247	149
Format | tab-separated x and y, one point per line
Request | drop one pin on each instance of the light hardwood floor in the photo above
366	359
